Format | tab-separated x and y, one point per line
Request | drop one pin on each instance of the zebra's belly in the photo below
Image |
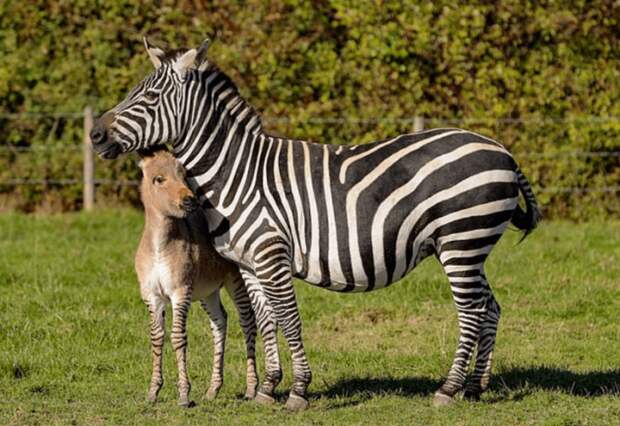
335	280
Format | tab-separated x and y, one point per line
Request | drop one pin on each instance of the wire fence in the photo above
417	123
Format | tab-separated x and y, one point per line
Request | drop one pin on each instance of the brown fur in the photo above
176	263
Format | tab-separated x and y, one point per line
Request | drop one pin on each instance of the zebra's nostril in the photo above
97	135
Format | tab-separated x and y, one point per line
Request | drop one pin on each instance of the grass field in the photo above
74	339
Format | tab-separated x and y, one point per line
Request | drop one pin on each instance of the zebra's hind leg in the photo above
218	319
267	327
469	294
181	301
479	380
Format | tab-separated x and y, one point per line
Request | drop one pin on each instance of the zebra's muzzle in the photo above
102	145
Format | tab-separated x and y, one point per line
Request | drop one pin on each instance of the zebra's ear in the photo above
185	62
155	53
192	59
201	55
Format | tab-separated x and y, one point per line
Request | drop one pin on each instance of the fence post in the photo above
89	162
418	123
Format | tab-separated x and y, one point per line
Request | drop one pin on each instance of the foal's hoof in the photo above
250	394
264	399
212	393
186	403
296	403
151	398
441	400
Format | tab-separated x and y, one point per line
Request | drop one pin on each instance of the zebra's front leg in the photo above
247	320
276	279
267	327
218	319
181	301
157	311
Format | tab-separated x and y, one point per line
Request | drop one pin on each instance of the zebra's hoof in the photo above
264	399
441	400
471	395
296	403
152	398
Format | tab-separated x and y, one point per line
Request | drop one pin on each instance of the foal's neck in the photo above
162	230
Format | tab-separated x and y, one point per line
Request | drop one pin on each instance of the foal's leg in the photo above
268	329
157	311
470	298
242	302
219	320
276	280
181	301
479	380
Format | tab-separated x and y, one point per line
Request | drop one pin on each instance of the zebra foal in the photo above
176	264
345	218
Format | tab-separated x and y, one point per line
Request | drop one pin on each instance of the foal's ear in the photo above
155	53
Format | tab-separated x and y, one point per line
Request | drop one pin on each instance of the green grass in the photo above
74	339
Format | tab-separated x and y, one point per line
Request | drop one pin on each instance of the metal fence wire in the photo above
89	181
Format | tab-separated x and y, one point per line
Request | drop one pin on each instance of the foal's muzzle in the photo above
189	203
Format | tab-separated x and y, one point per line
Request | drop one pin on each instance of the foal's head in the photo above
163	185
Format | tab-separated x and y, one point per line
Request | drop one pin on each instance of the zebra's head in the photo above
149	114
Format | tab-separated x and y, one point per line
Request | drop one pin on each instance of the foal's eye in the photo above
151	95
159	180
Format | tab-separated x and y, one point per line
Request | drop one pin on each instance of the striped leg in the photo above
268	329
181	301
469	295
242	302
218	319
479	380
276	279
157	312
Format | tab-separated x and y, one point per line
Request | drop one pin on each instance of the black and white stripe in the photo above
346	218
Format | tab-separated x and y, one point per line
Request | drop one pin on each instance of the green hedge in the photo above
541	77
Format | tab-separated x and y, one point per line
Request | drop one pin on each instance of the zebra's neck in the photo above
218	124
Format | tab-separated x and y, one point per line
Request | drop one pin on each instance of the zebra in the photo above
345	218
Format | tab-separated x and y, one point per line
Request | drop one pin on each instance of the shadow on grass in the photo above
512	384
518	382
349	392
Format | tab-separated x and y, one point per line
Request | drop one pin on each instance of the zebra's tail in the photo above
528	219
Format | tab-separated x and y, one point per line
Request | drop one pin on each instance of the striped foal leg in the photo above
276	280
157	312
218	319
268	329
242	302
479	380
181	301
468	292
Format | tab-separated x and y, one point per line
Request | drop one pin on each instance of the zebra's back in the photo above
363	216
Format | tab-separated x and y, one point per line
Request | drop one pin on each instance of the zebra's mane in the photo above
229	84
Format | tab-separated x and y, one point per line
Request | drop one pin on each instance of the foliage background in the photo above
541	77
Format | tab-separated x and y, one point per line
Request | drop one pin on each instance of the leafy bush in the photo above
541	77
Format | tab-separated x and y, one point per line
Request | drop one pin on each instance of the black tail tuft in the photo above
526	220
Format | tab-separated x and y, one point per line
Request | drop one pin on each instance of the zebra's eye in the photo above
158	180
151	95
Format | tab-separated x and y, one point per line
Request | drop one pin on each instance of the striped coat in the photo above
347	218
